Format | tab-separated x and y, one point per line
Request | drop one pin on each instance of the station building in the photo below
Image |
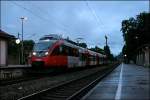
4	38
143	55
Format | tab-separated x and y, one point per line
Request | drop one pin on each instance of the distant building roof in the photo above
6	35
144	46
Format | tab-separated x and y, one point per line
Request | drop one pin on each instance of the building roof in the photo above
5	35
144	46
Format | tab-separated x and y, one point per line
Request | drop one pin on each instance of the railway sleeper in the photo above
54	97
66	88
57	96
48	98
69	90
57	93
51	98
61	92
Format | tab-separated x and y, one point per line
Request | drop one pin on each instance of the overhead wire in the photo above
44	11
99	22
36	15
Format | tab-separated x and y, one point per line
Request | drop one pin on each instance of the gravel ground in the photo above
18	90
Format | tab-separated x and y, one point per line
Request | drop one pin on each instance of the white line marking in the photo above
89	93
118	93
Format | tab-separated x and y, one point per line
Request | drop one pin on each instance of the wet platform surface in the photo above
126	82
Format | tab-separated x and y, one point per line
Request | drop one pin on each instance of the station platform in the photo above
15	66
126	82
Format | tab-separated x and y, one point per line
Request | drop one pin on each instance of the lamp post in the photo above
18	42
78	40
125	58
136	55
106	39
22	47
125	55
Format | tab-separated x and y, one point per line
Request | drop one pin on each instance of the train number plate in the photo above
38	59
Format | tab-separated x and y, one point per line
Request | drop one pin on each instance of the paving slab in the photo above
126	82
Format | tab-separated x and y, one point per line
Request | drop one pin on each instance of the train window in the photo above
60	49
82	57
40	46
75	52
63	50
92	58
56	51
72	51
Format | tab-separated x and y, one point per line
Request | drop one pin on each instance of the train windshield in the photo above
43	46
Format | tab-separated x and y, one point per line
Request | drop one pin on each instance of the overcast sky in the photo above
90	20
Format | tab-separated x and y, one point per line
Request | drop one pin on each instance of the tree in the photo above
107	50
28	47
14	50
135	33
84	45
97	49
108	53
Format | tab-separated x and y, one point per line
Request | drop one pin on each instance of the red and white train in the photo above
54	52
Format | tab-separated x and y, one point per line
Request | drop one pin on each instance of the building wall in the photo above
143	56
3	52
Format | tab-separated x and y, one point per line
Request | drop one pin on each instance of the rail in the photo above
70	90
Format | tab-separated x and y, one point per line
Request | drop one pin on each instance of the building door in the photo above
3	52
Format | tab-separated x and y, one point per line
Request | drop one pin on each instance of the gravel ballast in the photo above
18	90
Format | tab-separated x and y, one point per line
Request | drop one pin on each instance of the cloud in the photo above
73	19
11	26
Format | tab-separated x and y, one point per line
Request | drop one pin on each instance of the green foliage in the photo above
28	45
15	49
107	50
108	53
84	45
97	49
135	33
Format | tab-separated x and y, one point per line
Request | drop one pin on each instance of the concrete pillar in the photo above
147	51
140	58
137	58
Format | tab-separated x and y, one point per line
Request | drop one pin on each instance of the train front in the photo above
40	54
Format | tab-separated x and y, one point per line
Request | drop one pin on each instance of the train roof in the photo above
70	43
83	50
51	37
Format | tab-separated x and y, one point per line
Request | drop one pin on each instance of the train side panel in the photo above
57	61
72	61
50	62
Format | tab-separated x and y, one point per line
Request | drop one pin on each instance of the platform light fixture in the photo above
17	41
125	55
22	47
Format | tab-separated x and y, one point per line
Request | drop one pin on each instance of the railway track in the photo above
70	90
30	75
17	80
36	74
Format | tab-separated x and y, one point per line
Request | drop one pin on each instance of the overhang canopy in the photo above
5	35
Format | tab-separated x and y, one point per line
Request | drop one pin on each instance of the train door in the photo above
73	57
87	58
97	60
3	51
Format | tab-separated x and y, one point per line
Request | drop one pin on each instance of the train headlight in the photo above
34	53
46	53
